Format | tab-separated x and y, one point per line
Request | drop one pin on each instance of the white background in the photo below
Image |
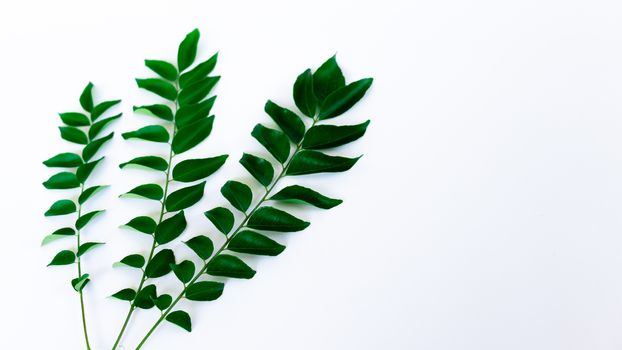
485	213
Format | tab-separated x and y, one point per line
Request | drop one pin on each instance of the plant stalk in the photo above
82	308
143	279
224	245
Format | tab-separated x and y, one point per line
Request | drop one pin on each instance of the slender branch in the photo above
82	311
144	277
226	243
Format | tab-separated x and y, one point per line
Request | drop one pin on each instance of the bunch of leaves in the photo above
185	122
84	128
297	148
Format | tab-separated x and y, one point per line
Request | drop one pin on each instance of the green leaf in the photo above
142	224
58	234
199	72
170	228
74	135
204	291
196	169
145	297
222	218
86	98
192	134
127	294
327	79
238	194
91	149
151	162
89	192
101	108
312	162
149	191
61	181
64	160
307	195
185	197
156	110
162	68
260	168
160	264
328	136
86	218
155	133
288	121
61	207
163	301
85	247
180	318
197	91
190	113
274	141
75	119
159	87
64	257
201	245
251	242
303	94
85	170
272	219
97	127
79	283
229	266
341	100
134	260
187	51
184	271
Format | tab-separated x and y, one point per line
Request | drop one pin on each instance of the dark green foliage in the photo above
162	68
260	168
155	133
274	141
61	181
342	99
73	134
89	192
180	318
85	247
327	79
133	260
196	169
64	257
157	110
184	270
272	219
126	294
170	228
160	264
222	218
149	191
288	121
306	195
102	107
185	197
85	170
151	162
64	160
204	291
74	119
145	297
159	87
187	51
199	72
142	224
303	94
201	245
328	136
61	207
91	149
190	113
192	134
238	194
251	242
229	266
312	162
86	218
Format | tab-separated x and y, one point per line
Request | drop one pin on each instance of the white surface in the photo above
485	213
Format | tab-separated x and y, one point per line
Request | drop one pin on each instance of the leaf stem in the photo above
82	309
144	277
225	244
